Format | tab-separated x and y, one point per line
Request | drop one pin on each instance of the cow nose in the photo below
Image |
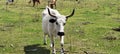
61	33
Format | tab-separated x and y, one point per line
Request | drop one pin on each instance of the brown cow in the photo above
34	1
51	3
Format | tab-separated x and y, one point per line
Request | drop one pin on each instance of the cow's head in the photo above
60	21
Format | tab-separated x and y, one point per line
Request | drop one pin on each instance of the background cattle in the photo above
9	1
34	2
52	3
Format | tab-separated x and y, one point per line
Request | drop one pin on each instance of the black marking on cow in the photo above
12	0
66	19
56	23
64	24
52	20
61	33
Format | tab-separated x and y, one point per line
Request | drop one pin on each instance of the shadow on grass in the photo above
116	29
36	49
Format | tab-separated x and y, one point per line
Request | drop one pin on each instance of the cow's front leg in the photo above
45	39
52	45
62	44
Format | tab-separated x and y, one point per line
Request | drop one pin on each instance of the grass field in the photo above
88	31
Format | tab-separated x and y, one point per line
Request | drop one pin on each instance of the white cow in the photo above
53	25
9	1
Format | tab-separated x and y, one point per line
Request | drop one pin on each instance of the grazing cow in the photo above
34	1
51	3
9	1
53	25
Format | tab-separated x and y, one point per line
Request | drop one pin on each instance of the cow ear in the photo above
52	20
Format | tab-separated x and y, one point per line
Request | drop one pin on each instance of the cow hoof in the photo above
44	43
53	53
62	53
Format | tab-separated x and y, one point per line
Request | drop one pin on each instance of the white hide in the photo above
55	28
52	28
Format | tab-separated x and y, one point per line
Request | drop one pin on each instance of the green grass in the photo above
20	27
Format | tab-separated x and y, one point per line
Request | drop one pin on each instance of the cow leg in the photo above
33	3
52	44
62	43
51	6
45	39
38	1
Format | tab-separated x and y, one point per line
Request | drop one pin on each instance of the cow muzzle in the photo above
60	33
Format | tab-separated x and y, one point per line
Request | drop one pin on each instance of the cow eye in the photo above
56	23
64	23
52	20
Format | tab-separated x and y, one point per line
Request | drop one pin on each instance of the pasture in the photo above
89	31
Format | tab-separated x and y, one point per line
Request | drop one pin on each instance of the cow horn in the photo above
71	14
50	13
